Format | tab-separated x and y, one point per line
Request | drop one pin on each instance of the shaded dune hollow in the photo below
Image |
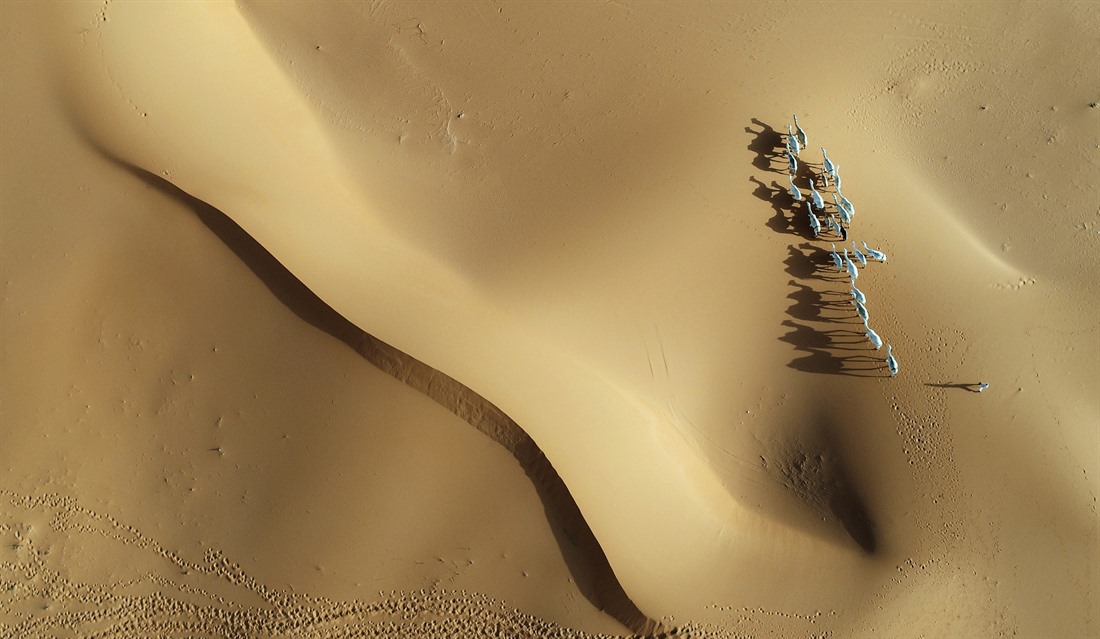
581	550
814	472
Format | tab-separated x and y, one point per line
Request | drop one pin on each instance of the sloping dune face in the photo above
459	319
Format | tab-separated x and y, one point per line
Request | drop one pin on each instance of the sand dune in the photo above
436	319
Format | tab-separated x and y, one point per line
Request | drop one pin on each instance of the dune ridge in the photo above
653	462
591	566
574	222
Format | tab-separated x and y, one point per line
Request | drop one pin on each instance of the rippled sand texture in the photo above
472	319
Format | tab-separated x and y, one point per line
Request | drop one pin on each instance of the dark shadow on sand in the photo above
783	219
844	499
973	388
841	349
768	147
846	351
826	356
579	547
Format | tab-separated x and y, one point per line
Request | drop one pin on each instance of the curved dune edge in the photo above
666	522
813	474
606	594
1001	523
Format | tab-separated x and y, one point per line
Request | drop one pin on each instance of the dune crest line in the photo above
587	561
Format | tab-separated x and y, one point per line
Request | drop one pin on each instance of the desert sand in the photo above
499	319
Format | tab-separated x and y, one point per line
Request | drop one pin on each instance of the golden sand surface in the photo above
498	319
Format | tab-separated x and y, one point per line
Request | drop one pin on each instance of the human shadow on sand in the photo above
972	387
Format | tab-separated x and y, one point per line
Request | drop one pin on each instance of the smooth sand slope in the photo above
467	318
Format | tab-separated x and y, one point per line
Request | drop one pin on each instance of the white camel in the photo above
847	203
876	341
795	193
891	363
818	202
800	135
843	212
878	255
859	254
853	272
794	141
861	310
828	163
858	294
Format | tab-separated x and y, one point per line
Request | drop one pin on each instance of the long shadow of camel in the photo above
825	352
765	145
789	216
581	550
822	353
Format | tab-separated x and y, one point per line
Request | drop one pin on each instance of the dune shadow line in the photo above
583	555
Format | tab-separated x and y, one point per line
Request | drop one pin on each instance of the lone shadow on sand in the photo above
973	387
